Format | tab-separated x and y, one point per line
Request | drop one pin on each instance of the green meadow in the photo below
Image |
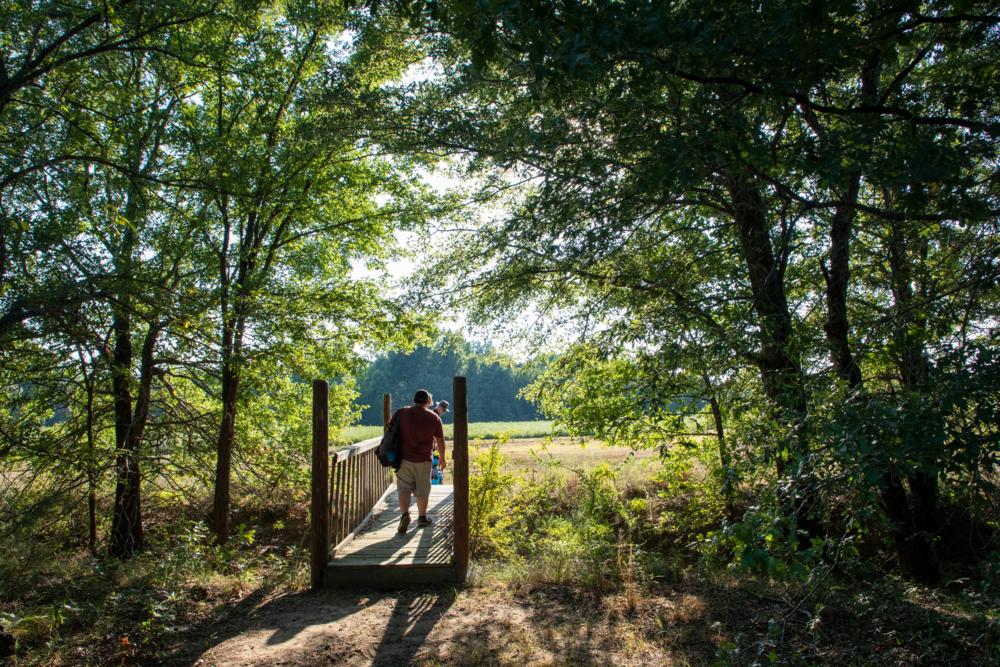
477	430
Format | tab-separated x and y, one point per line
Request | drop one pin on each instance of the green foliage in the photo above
812	247
575	530
689	484
187	193
492	506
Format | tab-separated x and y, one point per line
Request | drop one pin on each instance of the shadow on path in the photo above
257	632
414	616
319	628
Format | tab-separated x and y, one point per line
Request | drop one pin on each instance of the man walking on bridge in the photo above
419	428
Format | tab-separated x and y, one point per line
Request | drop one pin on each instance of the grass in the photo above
572	593
483	430
563	457
535	450
60	605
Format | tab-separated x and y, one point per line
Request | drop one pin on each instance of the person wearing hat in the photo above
441	408
419	429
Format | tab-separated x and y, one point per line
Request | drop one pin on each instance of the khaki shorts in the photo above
414	477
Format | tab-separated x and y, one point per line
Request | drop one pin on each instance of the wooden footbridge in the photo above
355	511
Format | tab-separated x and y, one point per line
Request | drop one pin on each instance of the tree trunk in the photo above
88	382
126	526
224	451
914	371
838	273
725	458
912	547
126	523
837	277
780	372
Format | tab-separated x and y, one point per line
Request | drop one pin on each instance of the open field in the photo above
535	456
535	450
484	430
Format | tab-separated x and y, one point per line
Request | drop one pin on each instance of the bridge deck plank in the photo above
377	545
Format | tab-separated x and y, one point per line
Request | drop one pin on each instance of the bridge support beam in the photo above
320	510
386	411
460	459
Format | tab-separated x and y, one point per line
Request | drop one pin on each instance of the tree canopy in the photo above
786	210
186	189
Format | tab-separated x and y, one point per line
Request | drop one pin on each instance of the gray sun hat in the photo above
443	404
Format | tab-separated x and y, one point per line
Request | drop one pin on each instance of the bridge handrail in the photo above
357	449
357	482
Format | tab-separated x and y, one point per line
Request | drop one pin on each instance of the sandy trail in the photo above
429	627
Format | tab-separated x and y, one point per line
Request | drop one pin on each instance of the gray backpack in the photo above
390	451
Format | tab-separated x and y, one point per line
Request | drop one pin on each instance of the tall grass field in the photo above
481	430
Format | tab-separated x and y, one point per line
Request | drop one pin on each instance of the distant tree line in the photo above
493	381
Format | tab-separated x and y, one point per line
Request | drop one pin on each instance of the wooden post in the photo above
460	460
320	482
386	411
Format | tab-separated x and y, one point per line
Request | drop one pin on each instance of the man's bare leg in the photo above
404	510
421	505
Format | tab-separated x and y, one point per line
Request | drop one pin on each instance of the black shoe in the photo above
423	522
404	523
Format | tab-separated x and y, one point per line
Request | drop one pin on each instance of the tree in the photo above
293	185
49	52
690	158
185	188
494	381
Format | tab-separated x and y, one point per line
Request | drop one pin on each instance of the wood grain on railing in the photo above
360	481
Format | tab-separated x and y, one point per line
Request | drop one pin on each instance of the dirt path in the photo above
684	623
430	627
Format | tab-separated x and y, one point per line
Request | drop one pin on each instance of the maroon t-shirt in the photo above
417	428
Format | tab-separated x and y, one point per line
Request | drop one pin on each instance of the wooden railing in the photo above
345	487
357	482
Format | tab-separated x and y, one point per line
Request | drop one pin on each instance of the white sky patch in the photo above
341	46
423	70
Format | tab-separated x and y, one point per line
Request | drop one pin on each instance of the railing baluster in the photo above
368	489
338	519
357	482
364	491
344	486
342	501
331	502
357	491
349	496
369	475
